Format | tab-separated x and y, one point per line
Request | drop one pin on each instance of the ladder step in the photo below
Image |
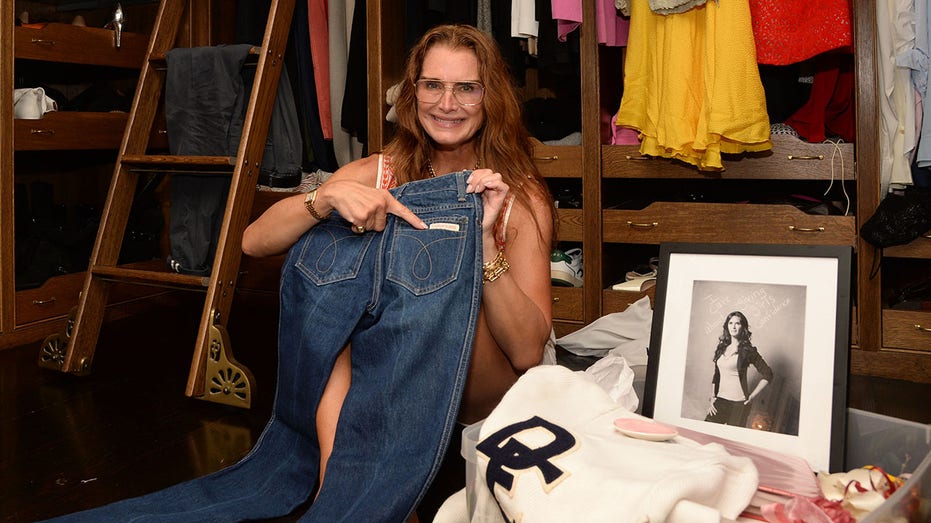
158	60
169	163
142	276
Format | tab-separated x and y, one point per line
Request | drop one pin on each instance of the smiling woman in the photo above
457	110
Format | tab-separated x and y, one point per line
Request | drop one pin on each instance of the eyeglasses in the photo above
466	93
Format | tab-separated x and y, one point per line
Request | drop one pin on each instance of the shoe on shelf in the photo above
568	199
566	268
643	271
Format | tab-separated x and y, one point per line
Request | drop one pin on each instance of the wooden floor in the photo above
68	443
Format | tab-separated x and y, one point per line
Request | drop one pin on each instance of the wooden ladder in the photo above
214	375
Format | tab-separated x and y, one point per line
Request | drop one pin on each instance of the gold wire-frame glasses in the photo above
466	93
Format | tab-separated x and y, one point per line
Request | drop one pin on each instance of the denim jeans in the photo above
407	301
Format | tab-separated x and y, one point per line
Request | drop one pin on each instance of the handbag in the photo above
899	218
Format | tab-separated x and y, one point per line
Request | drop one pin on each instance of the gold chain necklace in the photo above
433	173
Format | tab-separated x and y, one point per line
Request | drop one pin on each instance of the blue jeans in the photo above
407	300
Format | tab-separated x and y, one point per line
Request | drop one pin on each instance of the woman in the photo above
457	110
730	401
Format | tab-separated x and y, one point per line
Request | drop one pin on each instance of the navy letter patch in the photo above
505	451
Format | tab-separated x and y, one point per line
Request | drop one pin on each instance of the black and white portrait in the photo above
745	355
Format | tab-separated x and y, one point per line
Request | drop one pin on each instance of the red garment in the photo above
317	19
830	107
790	31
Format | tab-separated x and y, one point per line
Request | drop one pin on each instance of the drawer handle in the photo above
555	299
793	157
42	41
819	228
45	302
42	131
641	157
923	329
547	158
634	225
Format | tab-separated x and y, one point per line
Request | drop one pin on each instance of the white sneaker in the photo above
566	268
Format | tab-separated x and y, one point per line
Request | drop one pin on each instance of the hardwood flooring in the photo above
68	443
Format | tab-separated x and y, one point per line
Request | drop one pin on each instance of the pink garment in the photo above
317	17
801	510
612	27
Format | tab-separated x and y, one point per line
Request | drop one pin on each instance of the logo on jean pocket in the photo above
423	261
331	252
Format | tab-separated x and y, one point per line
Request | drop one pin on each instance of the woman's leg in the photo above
330	405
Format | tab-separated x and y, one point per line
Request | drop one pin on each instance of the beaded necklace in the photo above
433	173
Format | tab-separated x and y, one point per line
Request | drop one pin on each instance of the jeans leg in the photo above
410	359
322	279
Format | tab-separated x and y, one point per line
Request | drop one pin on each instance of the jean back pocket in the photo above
423	261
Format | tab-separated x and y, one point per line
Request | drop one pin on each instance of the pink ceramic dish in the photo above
644	429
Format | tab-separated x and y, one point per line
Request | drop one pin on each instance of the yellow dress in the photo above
692	88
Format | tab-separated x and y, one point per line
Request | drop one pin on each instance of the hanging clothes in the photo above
691	84
790	31
830	106
895	39
612	27
317	19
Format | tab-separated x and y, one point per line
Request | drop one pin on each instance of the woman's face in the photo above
733	325
449	123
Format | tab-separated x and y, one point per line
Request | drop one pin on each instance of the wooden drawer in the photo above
726	222
558	161
567	303
618	301
80	45
918	248
61	130
53	299
790	159
907	330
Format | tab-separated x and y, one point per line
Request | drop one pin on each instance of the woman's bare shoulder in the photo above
363	170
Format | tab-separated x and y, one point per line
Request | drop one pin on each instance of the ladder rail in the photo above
209	355
107	245
225	271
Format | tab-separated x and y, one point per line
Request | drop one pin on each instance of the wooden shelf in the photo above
790	159
65	43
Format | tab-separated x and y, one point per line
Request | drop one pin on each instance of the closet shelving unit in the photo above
616	234
64	148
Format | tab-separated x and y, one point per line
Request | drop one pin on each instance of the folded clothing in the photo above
549	452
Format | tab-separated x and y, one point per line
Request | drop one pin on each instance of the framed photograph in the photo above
750	343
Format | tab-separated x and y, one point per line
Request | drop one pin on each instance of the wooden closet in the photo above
63	162
884	341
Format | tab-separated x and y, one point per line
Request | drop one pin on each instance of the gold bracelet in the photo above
309	205
495	268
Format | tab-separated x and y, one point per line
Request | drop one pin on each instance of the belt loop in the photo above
461	177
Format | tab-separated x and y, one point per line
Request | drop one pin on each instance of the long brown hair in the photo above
503	142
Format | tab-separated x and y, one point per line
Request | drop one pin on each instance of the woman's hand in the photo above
362	205
712	410
494	193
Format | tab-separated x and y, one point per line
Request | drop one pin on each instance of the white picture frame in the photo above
795	302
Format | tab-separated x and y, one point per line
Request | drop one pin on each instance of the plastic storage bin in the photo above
469	440
897	446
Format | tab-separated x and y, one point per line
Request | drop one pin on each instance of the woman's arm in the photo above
765	371
756	390
518	304
350	190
